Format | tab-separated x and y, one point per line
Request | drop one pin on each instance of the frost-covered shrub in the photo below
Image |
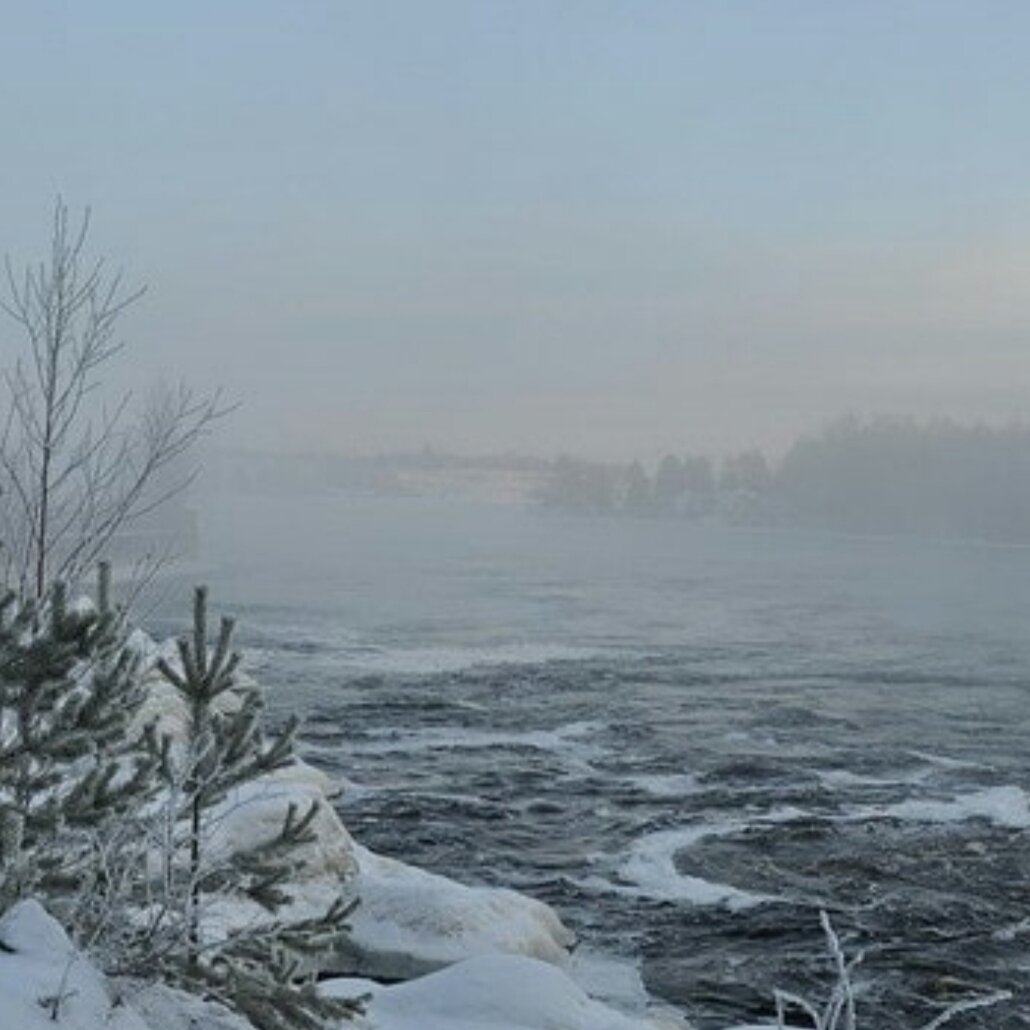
838	1011
70	684
132	837
209	876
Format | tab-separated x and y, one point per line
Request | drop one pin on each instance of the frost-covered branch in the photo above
839	1011
73	472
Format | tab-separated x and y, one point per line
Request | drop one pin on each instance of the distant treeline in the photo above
882	476
695	486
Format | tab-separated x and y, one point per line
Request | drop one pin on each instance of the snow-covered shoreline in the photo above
431	953
425	951
468	958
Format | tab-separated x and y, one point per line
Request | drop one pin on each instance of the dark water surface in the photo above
686	739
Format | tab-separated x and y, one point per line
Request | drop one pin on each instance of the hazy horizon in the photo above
608	229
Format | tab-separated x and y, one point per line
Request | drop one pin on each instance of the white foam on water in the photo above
1005	806
1012	931
567	740
763	737
650	868
666	785
835	778
427	661
947	762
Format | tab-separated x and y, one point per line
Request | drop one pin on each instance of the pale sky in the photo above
609	227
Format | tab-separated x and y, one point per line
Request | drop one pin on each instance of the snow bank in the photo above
492	992
41	964
165	1008
38	963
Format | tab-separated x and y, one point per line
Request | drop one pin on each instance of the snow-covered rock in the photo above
254	812
409	921
491	992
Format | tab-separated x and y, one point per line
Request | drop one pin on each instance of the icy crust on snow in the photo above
492	992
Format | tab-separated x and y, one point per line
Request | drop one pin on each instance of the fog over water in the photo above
688	738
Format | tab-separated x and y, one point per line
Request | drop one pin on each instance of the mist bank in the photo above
501	478
888	475
880	476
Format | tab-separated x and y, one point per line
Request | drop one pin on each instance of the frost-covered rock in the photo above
491	992
410	922
253	813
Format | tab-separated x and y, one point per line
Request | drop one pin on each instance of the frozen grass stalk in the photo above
839	1011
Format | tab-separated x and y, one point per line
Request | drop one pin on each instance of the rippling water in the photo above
688	740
